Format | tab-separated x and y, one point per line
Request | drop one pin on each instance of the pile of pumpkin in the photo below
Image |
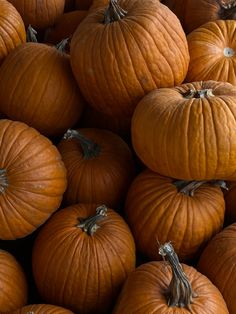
118	156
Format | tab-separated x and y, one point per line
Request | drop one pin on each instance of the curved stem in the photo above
3	180
180	291
90	148
89	225
202	93
61	46
31	35
228	9
113	12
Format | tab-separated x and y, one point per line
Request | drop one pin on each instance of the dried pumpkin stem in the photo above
31	35
3	180
227	4
89	225
201	93
90	148
189	187
113	12
180	292
227	9
61	46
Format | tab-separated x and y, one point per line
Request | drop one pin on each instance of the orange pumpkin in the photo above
173	288
39	14
42	309
14	290
37	87
12	29
187	214
99	164
218	263
32	179
121	53
188	132
81	258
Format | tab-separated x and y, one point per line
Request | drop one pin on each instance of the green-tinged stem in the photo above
90	148
3	180
61	46
180	293
31	34
89	225
113	12
201	93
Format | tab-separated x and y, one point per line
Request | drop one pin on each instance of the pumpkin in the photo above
120	53
42	309
39	14
186	213
12	29
64	27
160	288
188	132
99	166
37	87
81	258
32	179
14	289
218	263
193	14
212	49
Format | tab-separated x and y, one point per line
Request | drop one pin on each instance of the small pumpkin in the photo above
14	287
41	309
39	14
12	29
32	179
212	49
121	52
81	258
218	263
188	214
170	136
173	288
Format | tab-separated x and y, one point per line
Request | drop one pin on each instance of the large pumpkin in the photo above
39	14
212	49
188	132
99	164
37	87
12	29
187	214
173	288
218	263
82	257
120	53
41	309
32	179
14	290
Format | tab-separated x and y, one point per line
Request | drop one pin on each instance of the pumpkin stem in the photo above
90	148
3	180
61	46
89	225
227	9
189	187
113	12
202	93
31	35
180	292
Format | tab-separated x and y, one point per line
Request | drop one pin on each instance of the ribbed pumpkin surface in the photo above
42	309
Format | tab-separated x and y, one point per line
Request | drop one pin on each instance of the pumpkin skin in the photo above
102	178
14	289
42	309
67	262
12	29
212	49
155	209
217	262
134	55
169	134
37	87
33	179
145	289
39	14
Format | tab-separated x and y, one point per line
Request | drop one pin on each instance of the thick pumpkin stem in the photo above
90	148
189	187
61	46
89	225
227	9
3	180
202	93
31	35
180	292
113	12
